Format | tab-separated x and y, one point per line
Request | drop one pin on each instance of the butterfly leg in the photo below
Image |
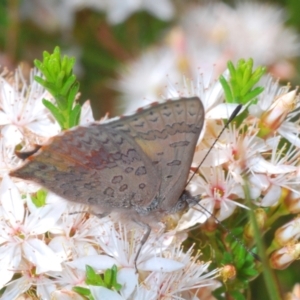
186	200
145	237
99	215
79	212
193	200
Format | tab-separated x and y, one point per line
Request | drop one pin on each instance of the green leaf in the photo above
81	290
60	81
55	112
40	80
75	116
108	277
250	272
68	84
241	81
92	278
114	284
39	198
226	88
72	95
247	75
231	69
253	94
237	295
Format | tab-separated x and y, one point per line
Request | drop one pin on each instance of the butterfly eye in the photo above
181	204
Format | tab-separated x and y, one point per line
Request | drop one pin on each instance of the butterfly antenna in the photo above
230	233
233	115
231	118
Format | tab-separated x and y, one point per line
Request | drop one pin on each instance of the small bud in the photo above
210	225
228	272
273	118
282	258
288	232
261	218
292	202
295	294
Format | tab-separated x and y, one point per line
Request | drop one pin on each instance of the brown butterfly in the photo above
136	166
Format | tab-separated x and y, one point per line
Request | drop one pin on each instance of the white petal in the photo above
260	165
129	280
214	158
272	196
11	135
222	111
13	205
102	293
162	9
4	120
61	246
44	291
254	192
86	115
160	264
16	288
98	262
192	217
65	295
260	181
286	132
226	210
42	256
44	218
10	257
44	128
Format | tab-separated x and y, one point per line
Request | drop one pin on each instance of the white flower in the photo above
288	233
8	160
58	15
177	284
278	172
210	35
30	279
19	231
119	10
216	33
61	15
74	234
86	115
144	80
218	193
158	260
22	111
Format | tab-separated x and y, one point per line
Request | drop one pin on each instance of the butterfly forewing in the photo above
124	164
168	134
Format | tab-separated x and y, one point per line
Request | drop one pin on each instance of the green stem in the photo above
272	287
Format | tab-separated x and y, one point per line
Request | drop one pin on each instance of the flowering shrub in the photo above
49	251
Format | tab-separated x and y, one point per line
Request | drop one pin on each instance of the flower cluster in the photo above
45	246
211	34
46	243
259	152
244	176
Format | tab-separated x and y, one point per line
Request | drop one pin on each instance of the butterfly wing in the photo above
124	164
94	165
168	134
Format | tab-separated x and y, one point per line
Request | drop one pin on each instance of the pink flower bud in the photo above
276	114
282	258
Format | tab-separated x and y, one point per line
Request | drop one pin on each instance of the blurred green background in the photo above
29	27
